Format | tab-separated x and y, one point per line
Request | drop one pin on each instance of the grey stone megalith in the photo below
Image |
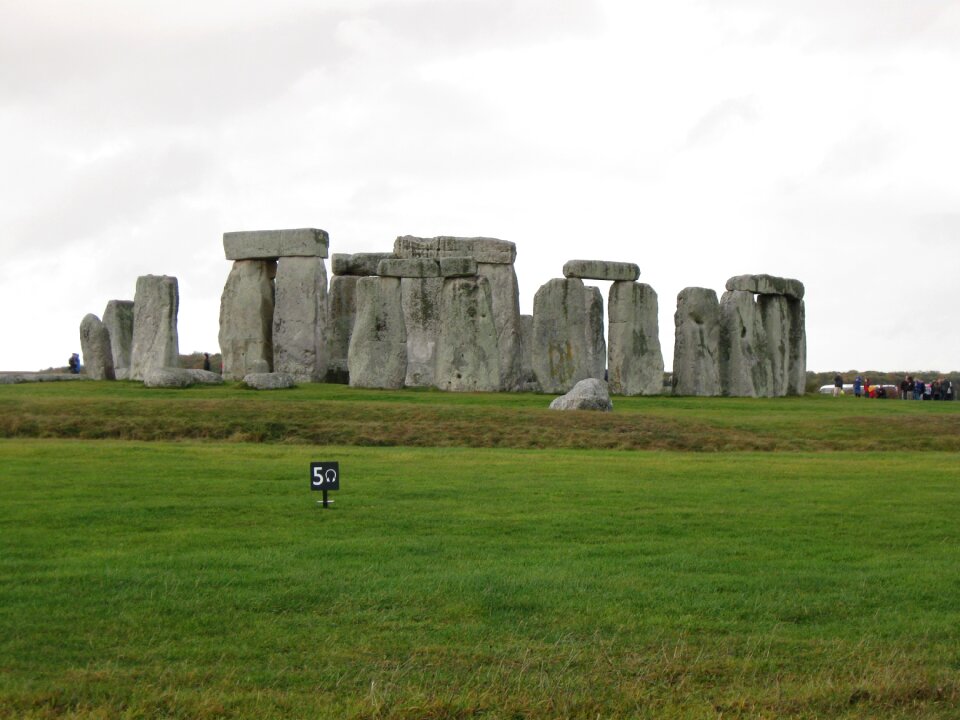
300	318
696	364
774	311
745	365
797	368
342	310
568	344
95	346
246	318
601	270
494	259
420	285
378	345
118	319
635	360
155	342
529	379
468	358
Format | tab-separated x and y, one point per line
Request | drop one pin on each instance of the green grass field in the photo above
754	559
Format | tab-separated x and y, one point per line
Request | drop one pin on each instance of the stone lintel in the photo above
360	264
458	267
767	285
481	249
271	244
601	270
411	267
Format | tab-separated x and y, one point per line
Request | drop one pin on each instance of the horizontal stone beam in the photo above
601	270
481	249
766	285
458	267
361	264
408	268
272	244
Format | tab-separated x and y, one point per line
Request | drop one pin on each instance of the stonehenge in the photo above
155	343
696	349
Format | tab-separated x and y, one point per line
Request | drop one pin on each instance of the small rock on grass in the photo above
589	394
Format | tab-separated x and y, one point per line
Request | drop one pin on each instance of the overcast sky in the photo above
700	139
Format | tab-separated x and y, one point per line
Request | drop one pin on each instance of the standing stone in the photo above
378	345
118	319
342	310
635	359
568	344
420	299
300	319
505	302
155	343
467	355
246	318
95	346
774	313
527	377
696	361
745	368
797	366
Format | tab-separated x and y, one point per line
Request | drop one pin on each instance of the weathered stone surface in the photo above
95	346
269	381
481	249
167	377
766	285
774	311
409	268
696	352
246	318
467	355
589	394
635	360
273	244
118	319
568	344
601	270
204	377
122	373
745	366
155	342
300	318
458	267
528	380
360	264
342	310
797	365
420	299
505	302
378	344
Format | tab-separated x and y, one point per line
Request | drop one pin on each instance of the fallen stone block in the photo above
268	381
601	270
167	377
589	394
204	377
273	244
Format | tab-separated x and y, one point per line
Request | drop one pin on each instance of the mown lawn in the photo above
193	579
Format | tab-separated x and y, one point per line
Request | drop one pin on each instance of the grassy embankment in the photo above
199	579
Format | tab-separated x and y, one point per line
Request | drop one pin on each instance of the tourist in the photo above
206	361
74	363
918	388
947	389
837	385
857	386
905	387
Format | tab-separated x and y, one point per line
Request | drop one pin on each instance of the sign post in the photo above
325	476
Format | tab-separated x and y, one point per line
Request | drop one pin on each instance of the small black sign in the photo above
324	476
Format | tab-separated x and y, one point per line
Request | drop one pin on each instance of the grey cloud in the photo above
722	117
857	154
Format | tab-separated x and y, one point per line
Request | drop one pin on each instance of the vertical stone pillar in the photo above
568	344
300	318
246	318
468	358
774	313
528	378
342	303
505	301
797	366
118	319
420	299
95	346
635	360
378	345
696	365
744	358
155	343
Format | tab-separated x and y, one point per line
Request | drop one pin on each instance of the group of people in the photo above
910	388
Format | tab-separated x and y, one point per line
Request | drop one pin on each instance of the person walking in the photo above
857	386
206	361
837	385
904	388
